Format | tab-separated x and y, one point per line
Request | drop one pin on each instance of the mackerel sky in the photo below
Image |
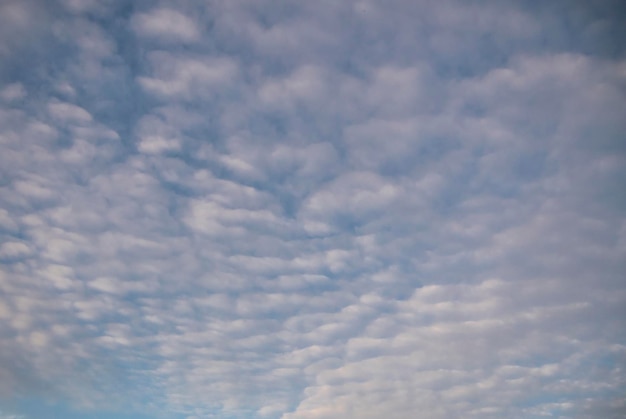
282	209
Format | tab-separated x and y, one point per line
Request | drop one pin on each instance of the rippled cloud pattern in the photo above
312	210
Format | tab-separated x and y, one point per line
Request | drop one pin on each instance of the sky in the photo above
277	209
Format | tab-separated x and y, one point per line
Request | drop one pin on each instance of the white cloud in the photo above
357	195
14	91
166	24
155	145
186	76
69	112
82	6
313	211
306	84
11	250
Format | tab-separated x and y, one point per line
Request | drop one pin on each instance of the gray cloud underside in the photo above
318	210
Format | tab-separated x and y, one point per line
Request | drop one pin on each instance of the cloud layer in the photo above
313	210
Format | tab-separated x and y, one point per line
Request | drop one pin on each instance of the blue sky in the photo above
312	210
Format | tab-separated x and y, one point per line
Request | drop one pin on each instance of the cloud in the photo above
14	91
12	250
166	24
312	210
185	76
68	112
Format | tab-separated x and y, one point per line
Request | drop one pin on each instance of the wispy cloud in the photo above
165	24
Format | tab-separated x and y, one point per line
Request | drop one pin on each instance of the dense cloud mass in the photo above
312	210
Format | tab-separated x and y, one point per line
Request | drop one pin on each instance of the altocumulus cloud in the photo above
335	209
